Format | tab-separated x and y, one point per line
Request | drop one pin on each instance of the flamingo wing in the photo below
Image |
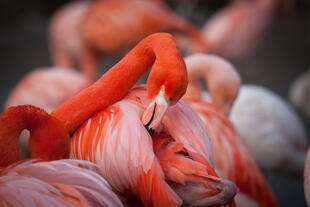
232	159
57	183
117	141
60	84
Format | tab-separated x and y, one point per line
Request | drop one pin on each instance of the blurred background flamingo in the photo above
124	148
64	33
265	128
47	88
234	31
110	28
232	158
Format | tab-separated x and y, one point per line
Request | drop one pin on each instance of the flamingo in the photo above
235	30
110	27
266	121
116	136
45	88
56	183
299	93
64	36
233	161
306	178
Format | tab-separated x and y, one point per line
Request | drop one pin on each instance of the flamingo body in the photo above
232	158
47	88
85	30
235	31
116	139
266	123
57	183
112	26
65	40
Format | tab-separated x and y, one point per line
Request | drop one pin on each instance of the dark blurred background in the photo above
277	61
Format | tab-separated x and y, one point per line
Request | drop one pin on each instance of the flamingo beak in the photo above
155	112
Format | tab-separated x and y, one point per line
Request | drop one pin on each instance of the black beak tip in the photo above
150	130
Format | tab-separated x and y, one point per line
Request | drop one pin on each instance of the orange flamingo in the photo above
235	31
45	88
33	183
115	138
110	27
232	159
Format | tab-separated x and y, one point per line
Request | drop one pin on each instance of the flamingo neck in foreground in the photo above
157	50
49	140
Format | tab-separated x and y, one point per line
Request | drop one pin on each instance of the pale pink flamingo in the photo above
233	161
46	88
110	27
116	136
235	31
64	36
307	178
267	122
35	183
299	93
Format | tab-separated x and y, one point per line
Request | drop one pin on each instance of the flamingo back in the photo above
107	21
108	25
58	183
64	27
264	127
47	88
232	159
235	31
116	139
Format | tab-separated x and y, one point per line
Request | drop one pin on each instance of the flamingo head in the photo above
164	89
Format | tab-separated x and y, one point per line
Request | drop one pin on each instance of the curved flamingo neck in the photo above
43	143
159	50
200	66
222	80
